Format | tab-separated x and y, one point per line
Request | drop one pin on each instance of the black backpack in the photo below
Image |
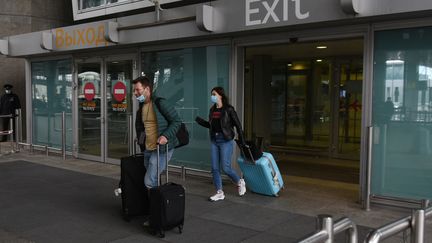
182	133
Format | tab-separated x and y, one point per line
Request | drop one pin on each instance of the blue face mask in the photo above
214	99
141	98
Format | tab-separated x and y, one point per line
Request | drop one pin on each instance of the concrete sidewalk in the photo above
94	216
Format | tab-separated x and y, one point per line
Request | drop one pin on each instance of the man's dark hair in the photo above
145	82
221	92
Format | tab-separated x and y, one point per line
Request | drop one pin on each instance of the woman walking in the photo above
221	123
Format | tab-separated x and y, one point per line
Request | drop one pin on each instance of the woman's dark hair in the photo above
145	82
221	92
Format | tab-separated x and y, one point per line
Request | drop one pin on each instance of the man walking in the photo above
157	122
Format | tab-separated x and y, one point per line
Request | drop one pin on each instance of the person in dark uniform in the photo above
9	102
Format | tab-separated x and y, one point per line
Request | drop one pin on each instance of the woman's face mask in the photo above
214	99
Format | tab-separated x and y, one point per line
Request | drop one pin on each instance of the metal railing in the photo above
9	131
46	148
327	229
415	223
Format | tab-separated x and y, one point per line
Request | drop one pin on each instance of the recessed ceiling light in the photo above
321	47
318	60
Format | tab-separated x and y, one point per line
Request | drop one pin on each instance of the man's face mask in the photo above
141	98
8	91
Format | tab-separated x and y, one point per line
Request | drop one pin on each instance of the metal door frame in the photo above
103	106
77	62
135	74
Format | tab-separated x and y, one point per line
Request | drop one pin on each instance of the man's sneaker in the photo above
218	196
242	187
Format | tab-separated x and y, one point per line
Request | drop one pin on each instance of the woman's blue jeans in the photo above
221	153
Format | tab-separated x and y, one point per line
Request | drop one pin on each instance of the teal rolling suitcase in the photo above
262	176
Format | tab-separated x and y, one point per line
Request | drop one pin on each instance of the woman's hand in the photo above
199	119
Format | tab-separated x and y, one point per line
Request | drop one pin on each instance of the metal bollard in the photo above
17	130
325	223
64	135
131	140
425	203
183	173
366	205
418	222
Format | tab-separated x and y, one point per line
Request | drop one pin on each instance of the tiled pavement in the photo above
47	199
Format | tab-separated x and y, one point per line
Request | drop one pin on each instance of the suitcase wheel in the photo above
161	234
180	228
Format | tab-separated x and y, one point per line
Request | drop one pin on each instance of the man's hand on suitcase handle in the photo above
162	140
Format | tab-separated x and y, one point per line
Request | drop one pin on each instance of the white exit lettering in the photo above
270	11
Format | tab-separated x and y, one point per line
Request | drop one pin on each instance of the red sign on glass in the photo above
119	91
89	91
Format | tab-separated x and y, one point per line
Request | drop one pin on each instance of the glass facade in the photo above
304	100
315	96
51	95
185	77
402	113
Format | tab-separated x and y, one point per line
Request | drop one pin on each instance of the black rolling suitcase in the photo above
134	193
167	204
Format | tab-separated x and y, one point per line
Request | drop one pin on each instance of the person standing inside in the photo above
222	120
157	122
9	102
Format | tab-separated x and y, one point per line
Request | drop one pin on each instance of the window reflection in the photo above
185	77
394	89
402	114
51	95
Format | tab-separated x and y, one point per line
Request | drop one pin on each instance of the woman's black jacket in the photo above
228	120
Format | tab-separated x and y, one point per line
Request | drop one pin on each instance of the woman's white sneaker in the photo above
241	187
218	196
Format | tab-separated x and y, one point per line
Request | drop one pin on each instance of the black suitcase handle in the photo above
166	166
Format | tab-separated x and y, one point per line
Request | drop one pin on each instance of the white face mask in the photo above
214	99
141	98
8	91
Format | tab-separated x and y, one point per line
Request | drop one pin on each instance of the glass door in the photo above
347	94
90	110
119	110
104	94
